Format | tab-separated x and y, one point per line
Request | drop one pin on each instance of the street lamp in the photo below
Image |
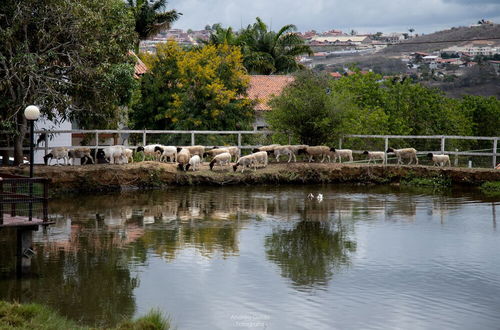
31	113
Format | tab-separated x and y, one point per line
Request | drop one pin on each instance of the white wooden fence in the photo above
145	133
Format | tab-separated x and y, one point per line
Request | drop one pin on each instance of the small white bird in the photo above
319	197
310	196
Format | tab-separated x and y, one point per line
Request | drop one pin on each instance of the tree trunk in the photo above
19	139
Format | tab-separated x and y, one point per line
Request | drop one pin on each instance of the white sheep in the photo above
183	157
57	153
214	152
315	151
149	150
260	158
129	155
194	162
284	150
196	150
339	153
269	149
246	161
167	153
439	160
220	159
374	155
409	153
113	154
82	152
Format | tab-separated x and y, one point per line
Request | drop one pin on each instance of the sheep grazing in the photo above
183	157
374	155
57	153
439	160
220	159
113	154
194	162
235	152
339	153
269	149
196	150
408	153
129	155
83	152
166	153
315	151
284	150
149	150
260	158
246	161
215	151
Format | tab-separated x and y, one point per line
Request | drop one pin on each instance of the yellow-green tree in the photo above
202	88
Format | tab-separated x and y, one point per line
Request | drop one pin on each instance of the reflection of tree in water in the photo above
91	283
311	252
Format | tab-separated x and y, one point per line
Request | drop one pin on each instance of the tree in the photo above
150	19
201	88
269	52
64	56
485	114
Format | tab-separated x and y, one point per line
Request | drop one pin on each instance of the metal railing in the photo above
193	133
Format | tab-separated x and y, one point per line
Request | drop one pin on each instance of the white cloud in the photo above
362	15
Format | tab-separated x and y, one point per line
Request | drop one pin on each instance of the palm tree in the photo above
219	36
269	52
149	17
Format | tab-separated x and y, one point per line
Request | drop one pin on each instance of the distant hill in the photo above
477	32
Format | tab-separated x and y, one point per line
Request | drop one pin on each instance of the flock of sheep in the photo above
192	156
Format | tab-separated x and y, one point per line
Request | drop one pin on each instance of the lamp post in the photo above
31	113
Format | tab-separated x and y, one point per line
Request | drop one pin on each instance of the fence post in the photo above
192	138
46	147
144	138
340	143
239	141
386	146
442	144
495	145
456	158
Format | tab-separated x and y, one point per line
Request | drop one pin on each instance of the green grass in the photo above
491	188
34	316
437	182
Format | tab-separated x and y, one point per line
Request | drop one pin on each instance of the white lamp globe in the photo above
32	112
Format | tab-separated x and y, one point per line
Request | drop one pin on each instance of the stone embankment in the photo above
144	175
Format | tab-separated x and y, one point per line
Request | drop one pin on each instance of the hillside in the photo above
460	33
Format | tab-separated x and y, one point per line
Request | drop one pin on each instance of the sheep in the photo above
374	155
113	154
196	150
235	152
246	161
284	150
410	153
149	150
57	153
167	152
341	153
183	157
221	159
214	152
269	149
129	155
315	151
261	157
439	160
83	152
194	161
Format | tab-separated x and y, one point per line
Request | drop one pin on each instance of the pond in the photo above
376	257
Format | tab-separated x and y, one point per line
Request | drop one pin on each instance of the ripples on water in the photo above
268	257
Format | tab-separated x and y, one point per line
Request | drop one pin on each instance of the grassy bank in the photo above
34	316
146	175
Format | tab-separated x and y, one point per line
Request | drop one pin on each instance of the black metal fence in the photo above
23	198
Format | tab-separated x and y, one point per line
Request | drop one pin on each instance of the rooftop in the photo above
263	88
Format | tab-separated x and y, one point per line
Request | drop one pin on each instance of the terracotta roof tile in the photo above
262	88
140	68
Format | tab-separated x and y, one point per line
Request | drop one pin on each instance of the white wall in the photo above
54	140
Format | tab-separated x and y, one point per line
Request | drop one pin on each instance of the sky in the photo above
363	16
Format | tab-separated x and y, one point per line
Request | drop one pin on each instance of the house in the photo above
350	40
262	88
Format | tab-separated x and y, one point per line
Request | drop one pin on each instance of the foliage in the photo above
64	56
485	114
148	18
35	316
438	181
491	188
264	51
202	88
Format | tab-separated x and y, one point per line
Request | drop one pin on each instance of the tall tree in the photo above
150	17
64	56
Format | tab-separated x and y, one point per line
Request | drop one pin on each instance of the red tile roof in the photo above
262	88
336	74
140	68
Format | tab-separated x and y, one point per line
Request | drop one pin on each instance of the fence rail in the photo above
193	133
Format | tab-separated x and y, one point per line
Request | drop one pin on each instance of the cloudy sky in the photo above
361	15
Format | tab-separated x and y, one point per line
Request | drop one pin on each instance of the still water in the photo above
270	258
